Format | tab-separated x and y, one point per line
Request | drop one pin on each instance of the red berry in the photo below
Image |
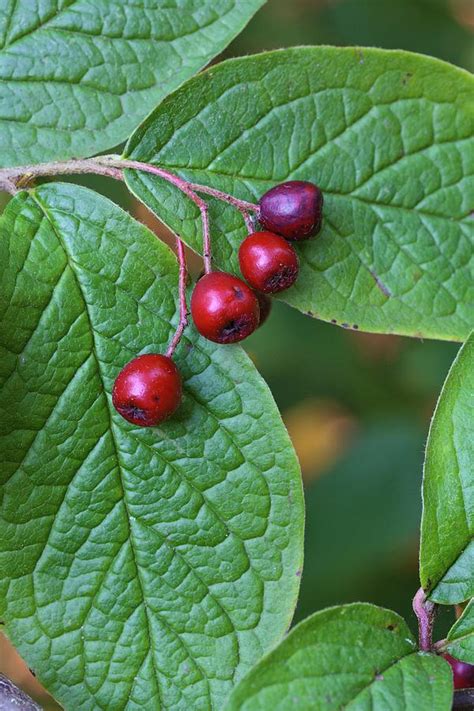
292	209
224	308
147	390
463	673
268	262
265	307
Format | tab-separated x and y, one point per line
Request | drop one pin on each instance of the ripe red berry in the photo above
268	262
463	673
265	304
147	390
224	308
292	209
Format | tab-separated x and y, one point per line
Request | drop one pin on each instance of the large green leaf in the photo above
139	568
388	137
77	76
447	546
460	639
356	657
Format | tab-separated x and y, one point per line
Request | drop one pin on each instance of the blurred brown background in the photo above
357	406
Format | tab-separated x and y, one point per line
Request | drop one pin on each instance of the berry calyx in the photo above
224	308
292	209
265	304
147	390
268	262
463	673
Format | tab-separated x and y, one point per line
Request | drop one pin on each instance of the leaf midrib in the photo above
143	178
441	579
375	681
462	638
67	5
203	405
45	212
351	196
112	427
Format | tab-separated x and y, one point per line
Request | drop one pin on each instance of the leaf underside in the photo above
356	657
447	546
388	137
460	639
139	568
77	76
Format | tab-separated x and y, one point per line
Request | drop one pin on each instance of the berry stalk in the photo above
183	308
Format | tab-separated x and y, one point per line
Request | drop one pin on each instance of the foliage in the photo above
447	549
186	539
77	78
159	568
356	657
385	134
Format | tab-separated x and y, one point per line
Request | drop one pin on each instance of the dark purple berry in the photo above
463	673
292	209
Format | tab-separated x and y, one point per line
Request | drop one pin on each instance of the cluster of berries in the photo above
224	308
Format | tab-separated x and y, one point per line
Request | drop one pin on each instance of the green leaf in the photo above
139	568
356	657
76	77
460	639
388	137
447	528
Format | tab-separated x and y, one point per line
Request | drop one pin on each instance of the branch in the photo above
425	612
14	699
21	176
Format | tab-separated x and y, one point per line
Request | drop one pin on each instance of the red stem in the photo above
183	308
425	612
189	190
248	222
241	205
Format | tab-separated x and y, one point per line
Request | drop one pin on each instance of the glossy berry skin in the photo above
293	209
268	262
265	304
463	673
224	308
147	390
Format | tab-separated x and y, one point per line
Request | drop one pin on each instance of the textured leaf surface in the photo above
138	568
388	137
77	76
460	639
447	546
356	657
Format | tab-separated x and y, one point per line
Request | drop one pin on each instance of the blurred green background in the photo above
357	406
